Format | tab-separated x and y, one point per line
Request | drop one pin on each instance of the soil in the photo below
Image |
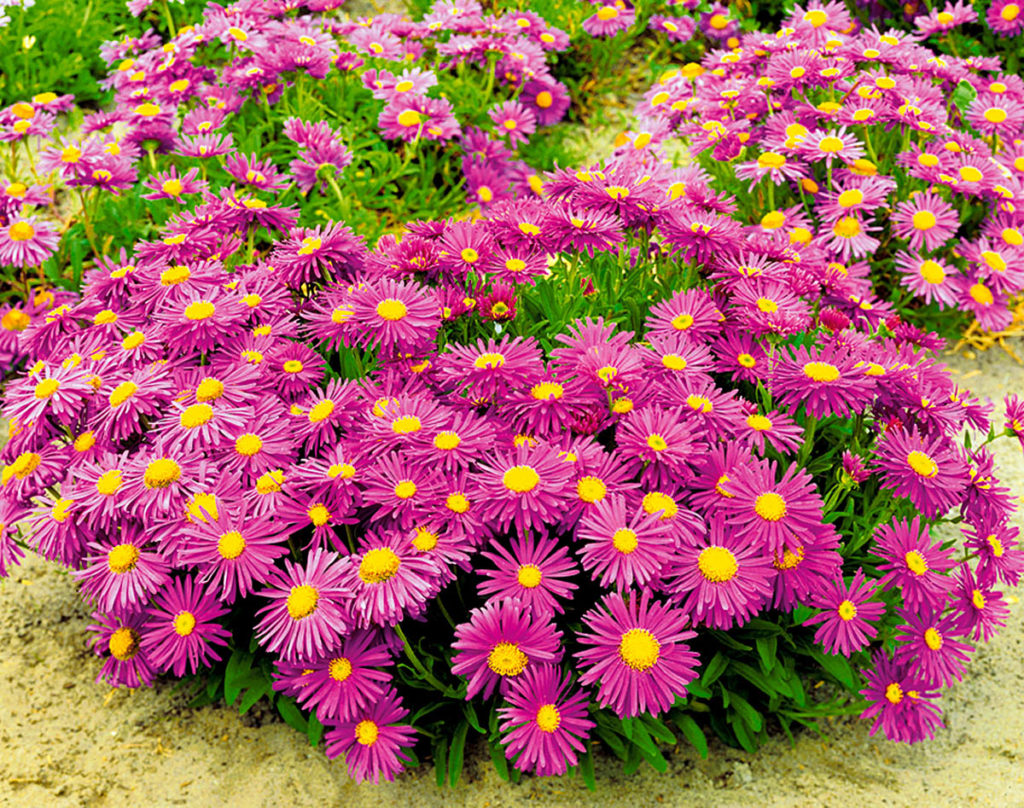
68	741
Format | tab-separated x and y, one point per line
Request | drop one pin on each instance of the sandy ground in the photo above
67	741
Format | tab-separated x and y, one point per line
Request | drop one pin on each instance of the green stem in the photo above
811	424
170	19
422	671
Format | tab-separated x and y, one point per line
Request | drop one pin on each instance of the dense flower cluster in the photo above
868	149
608	418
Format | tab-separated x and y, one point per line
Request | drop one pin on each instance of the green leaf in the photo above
754	676
238	669
612	738
751	717
963	95
743	736
658	729
716	667
587	769
767	647
257	686
315	731
457	753
441	761
837	666
693	733
470	712
292	715
499	760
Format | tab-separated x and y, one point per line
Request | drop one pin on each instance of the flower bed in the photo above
608	463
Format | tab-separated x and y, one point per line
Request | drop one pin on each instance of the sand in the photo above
67	741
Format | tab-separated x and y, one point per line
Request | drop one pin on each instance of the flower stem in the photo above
427	675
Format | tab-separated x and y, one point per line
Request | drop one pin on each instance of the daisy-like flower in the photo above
914	563
999	556
309	607
777	167
171	185
372	740
927	471
119	640
927	220
515	120
527	488
846	622
926	643
183	628
721	581
609	20
692	312
659	444
928	278
826	382
233	550
546	724
778	514
625	551
822	145
27	242
487	368
775	429
900	702
396	316
498	643
345	682
122	573
534	573
980	610
201	322
1004	17
10	552
390	580
637	654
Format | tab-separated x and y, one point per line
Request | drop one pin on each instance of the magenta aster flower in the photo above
829	381
659	444
609	20
926	220
638	654
27	242
498	643
775	429
373	739
900	703
999	557
340	685
980	610
121	575
845	625
234	551
487	368
395	315
390	580
1004	17
929	278
309	607
927	471
925	643
119	641
534	573
183	628
545	723
625	551
526	488
171	185
914	563
723	580
780	515
515	120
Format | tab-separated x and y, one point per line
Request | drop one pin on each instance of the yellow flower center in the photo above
124	643
196	415
767	305
20	231
379	565
248	444
916	563
409	118
970	174
894	693
773	220
446	441
847	610
922	464
746	360
507	659
230	545
391	309
457	503
821	372
302	601
1010	12
639	649
978	599
848	199
657	501
172	187
547	391
673	362
321	411
367	732
681	322
123	392
319	515
199	310
771	160
406	425
759	423
717	564
161	473
924	220
209	389
831	144
270	482
981	294
424	540
521	479
46	388
109	482
548	718
847	227
85	441
591	489
529	576
340	669
122	558
405	489
184	623
489	361
933	639
994	261
770	506
625	540
657	443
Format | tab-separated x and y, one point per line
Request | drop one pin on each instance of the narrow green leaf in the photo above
315	730
499	760
767	647
743	736
470	712
694	734
441	761
292	715
587	770
238	669
716	667
658	729
751	717
258	687
457	753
